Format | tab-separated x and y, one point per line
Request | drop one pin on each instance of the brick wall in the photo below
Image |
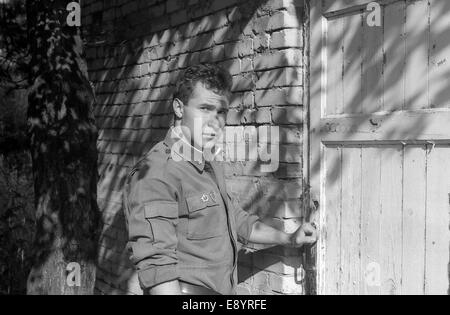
136	50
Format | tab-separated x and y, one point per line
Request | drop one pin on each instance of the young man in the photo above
183	227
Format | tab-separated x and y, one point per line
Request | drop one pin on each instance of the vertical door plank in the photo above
351	220
372	67
414	186
333	190
353	40
438	219
440	54
335	65
371	223
417	31
394	56
391	219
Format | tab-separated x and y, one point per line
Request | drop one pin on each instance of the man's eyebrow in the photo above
221	107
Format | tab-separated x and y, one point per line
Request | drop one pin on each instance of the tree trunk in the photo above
63	147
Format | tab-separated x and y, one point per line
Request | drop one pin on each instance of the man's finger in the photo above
310	240
306	240
308	228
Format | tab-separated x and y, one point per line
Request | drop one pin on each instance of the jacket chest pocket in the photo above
207	217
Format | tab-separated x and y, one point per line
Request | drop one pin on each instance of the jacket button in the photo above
205	198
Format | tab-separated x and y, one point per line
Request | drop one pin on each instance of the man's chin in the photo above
209	145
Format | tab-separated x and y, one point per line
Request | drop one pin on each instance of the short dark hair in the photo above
212	76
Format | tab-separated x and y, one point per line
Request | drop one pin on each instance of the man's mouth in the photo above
210	135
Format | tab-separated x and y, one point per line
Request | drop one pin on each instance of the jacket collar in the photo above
180	147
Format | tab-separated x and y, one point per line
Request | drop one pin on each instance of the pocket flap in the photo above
161	209
202	201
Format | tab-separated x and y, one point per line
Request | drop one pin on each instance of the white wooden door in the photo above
380	146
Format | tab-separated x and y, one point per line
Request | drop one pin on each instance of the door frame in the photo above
315	149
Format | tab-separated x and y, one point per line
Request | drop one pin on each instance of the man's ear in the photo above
178	108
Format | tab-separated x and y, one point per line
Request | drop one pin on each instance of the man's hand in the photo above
267	235
305	235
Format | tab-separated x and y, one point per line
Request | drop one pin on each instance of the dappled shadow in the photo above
61	187
278	261
403	67
134	63
436	93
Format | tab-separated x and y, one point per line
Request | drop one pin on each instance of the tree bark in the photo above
63	147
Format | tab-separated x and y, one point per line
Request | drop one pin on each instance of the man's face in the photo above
205	116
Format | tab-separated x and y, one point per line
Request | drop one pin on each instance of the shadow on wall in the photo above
151	118
134	114
289	267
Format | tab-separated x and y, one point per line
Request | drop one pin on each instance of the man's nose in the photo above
214	120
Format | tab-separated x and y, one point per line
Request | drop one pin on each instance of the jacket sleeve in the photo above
151	209
244	222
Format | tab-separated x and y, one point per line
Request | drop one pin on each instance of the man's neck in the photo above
179	133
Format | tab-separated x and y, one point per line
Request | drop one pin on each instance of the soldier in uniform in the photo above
183	228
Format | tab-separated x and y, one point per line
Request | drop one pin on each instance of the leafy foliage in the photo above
62	134
14	54
16	221
16	182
